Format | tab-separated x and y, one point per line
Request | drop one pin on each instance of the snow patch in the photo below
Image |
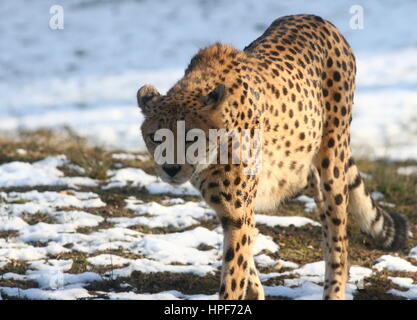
391	263
40	173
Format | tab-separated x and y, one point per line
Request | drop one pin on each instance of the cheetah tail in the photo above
388	229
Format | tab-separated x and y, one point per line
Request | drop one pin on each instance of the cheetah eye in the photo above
151	137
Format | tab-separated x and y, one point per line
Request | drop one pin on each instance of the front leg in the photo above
255	290
239	237
232	195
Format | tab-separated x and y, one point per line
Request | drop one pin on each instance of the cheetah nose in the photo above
171	169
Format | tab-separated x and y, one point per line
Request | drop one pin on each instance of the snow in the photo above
308	291
148	266
402	282
181	247
377	195
407	170
108	260
44	172
41	294
135	177
46	202
273	221
391	263
129	176
165	295
86	75
266	261
163	187
413	253
358	273
52	264
312	269
8	223
155	215
305	286
20	251
406	283
309	203
77	218
21	152
264	243
129	156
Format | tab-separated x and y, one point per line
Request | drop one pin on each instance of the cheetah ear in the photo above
147	96
216	96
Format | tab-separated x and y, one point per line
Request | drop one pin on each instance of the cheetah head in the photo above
176	129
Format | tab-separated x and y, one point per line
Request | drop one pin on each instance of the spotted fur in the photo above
296	84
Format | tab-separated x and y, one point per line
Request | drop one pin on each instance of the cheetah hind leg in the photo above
313	189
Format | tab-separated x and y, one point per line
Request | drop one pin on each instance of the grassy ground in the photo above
299	245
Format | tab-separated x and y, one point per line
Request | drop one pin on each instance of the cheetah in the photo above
295	84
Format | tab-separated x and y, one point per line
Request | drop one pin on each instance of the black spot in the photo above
227	196
240	260
329	62
233	287
325	163
244	238
336	221
245	265
338	199
229	255
215	199
213	185
336	172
